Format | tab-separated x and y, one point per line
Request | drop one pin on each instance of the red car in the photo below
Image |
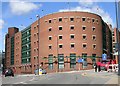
105	64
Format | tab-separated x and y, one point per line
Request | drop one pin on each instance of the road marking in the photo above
20	83
32	79
23	83
84	74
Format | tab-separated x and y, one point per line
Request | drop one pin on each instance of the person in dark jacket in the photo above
95	67
99	69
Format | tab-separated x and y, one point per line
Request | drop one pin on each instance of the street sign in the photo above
104	56
80	60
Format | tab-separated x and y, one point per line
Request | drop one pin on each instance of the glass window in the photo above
50	66
113	40
93	20
93	59
50	61
50	21
72	36
84	28
50	47
84	37
72	60
72	27
83	19
60	28
71	19
72	45
50	38
84	46
93	28
97	21
94	38
88	19
94	55
113	33
50	29
60	61
60	19
60	37
60	46
94	46
84	56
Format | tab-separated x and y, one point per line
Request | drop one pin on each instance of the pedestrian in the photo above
95	67
99	69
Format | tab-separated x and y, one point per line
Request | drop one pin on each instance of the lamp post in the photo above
56	52
38	26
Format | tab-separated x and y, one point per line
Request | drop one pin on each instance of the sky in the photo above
18	13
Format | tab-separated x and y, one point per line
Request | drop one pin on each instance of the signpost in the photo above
40	71
80	61
104	57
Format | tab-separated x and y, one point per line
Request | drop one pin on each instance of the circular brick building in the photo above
65	37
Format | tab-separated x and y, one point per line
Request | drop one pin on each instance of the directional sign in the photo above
80	60
104	57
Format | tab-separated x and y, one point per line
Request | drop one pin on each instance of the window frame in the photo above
50	46
94	36
72	27
60	27
72	35
60	45
83	18
93	46
72	19
83	45
50	21
60	36
50	38
83	26
59	19
71	45
84	35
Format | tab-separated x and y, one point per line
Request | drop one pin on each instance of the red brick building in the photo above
61	40
114	39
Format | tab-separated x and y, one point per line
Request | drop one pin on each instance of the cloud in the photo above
86	3
1	23
91	7
19	7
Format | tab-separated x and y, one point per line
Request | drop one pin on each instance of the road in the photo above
62	78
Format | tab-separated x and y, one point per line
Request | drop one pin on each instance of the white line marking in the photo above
32	79
20	83
23	83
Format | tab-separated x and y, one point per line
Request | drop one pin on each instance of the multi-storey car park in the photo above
56	41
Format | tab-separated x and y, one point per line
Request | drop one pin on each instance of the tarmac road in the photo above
75	77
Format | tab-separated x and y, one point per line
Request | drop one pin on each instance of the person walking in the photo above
99	69
95	67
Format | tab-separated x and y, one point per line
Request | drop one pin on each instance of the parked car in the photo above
104	65
43	71
9	72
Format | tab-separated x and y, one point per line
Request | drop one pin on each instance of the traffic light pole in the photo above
117	37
